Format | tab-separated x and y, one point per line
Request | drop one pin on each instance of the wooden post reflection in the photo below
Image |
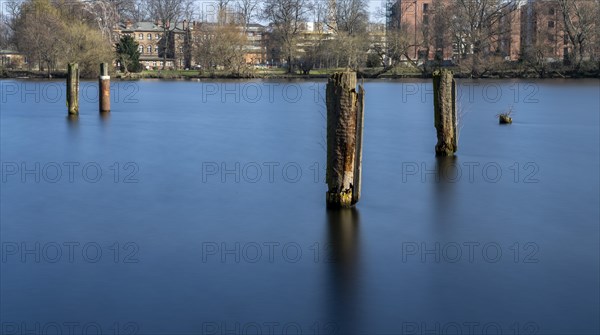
343	227
448	173
343	249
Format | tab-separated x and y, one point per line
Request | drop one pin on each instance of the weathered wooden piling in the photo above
345	116
104	89
73	89
444	91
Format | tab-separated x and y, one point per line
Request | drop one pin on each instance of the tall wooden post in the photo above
345	116
444	92
73	89
104	88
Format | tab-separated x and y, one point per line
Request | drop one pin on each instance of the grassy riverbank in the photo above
278	73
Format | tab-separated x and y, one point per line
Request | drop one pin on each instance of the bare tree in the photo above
137	11
9	14
475	26
247	11
129	9
52	34
320	15
596	51
170	13
105	13
580	21
399	47
220	45
83	44
351	16
5	35
222	14
37	26
357	49
436	33
287	17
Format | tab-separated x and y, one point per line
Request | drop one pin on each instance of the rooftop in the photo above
8	52
148	26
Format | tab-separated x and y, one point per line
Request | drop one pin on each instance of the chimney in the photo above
128	24
185	25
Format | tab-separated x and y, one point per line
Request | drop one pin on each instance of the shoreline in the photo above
195	75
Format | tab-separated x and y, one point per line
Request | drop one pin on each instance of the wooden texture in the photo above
73	89
444	91
344	139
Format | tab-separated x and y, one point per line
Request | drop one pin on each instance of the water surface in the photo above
210	217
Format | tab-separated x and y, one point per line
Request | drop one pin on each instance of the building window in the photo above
149	49
149	36
141	36
157	36
141	47
156	48
551	11
550	24
425	7
154	63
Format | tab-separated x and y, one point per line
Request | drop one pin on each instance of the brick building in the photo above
256	46
180	44
154	49
506	43
543	32
408	16
430	40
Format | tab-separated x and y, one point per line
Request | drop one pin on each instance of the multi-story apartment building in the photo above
428	38
177	50
506	41
256	47
155	50
415	19
519	29
543	32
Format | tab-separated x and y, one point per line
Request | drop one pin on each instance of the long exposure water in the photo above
199	208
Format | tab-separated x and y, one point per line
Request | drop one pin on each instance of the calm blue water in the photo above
199	208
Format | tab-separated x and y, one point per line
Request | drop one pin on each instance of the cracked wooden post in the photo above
345	116
444	91
104	89
73	89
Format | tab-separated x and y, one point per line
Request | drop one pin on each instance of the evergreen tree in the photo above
128	54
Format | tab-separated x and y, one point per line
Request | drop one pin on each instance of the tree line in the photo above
475	33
